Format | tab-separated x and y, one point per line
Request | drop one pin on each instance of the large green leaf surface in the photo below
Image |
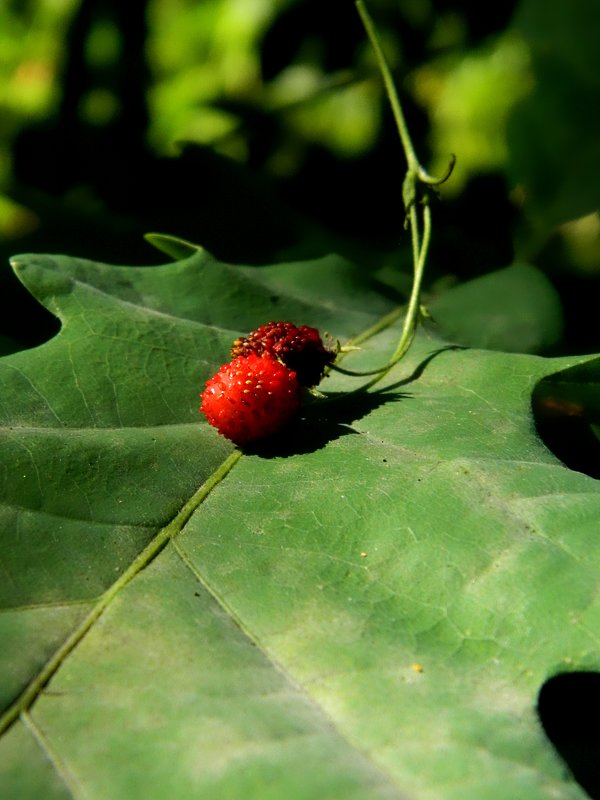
365	608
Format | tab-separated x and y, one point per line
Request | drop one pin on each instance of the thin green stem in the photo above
412	317
414	304
413	221
430	180
377	327
380	325
152	549
388	82
413	311
413	195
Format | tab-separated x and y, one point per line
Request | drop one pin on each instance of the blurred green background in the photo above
259	129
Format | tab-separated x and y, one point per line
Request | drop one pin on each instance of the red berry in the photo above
250	398
299	347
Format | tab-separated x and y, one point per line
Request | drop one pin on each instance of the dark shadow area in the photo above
323	420
569	710
420	368
330	417
573	441
25	323
566	410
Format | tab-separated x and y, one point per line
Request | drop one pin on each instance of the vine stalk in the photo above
415	195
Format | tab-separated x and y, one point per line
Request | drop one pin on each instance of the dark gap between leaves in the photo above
573	442
566	410
569	710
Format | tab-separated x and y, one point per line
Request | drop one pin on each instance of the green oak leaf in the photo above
366	607
515	309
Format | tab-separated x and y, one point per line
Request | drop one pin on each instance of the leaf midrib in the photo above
20	707
152	549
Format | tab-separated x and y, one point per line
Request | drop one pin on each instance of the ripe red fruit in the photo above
251	397
299	347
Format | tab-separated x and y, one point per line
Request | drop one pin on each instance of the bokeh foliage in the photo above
260	129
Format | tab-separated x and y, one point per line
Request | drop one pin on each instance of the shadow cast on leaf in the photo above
420	368
322	421
326	419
